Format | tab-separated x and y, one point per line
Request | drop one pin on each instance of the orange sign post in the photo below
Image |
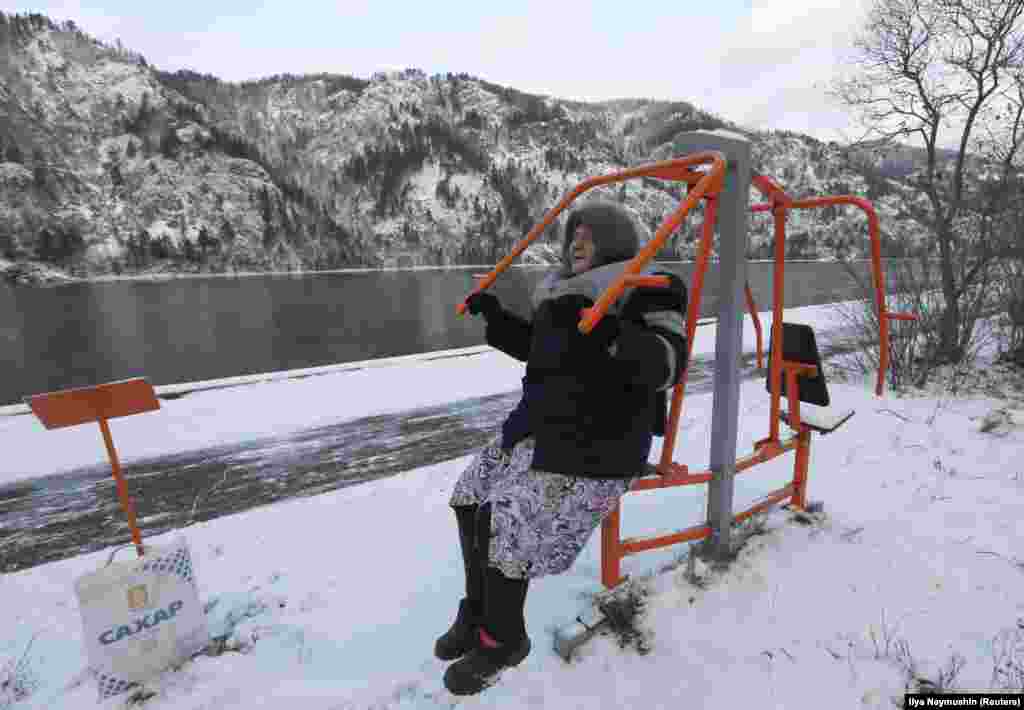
72	407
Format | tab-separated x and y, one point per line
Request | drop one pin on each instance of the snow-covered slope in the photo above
114	166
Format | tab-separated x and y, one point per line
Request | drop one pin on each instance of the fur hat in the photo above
616	234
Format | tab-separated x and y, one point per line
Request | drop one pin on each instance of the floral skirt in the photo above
540	521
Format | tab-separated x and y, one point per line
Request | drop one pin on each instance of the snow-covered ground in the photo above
334	602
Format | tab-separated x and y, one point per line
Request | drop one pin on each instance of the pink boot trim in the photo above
487	640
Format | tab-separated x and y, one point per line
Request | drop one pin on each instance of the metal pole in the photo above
122	488
734	206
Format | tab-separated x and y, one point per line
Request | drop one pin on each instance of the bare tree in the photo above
949	72
1009	286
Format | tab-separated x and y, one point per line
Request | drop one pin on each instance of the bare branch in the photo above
983	65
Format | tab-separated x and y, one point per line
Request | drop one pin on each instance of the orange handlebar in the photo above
677	169
648	281
710	183
779	200
752	309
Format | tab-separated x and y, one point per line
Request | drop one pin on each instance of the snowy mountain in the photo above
113	166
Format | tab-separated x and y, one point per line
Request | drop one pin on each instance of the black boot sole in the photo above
484	683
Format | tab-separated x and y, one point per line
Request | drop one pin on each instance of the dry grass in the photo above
17	679
915	349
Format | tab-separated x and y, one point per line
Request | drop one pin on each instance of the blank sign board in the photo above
88	404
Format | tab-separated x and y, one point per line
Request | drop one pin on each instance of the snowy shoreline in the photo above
173	391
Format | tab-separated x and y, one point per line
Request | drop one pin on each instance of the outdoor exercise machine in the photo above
716	169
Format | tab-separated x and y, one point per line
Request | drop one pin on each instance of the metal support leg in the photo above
803	458
611	557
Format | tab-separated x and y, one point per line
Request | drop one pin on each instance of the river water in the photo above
194	329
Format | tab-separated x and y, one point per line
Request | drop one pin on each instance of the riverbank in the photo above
179	390
32	273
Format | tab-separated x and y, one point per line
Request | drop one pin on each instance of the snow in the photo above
337	599
159	228
476	98
468	183
424	181
731	135
113	149
14	174
112	78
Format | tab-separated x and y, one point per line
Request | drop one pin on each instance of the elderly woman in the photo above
580	436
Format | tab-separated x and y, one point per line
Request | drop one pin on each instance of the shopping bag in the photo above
141	616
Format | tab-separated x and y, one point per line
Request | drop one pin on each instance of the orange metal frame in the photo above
707	186
701	185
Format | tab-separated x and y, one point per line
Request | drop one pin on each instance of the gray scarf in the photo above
590	284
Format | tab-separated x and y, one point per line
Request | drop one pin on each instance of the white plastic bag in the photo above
141	616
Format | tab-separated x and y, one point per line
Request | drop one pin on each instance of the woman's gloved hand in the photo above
483	303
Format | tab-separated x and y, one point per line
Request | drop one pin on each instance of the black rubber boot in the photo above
504	623
462	636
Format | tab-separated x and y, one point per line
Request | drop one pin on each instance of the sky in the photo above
764	64
333	602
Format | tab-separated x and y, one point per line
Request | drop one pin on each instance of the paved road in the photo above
61	516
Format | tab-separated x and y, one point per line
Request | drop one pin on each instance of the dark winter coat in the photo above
593	410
